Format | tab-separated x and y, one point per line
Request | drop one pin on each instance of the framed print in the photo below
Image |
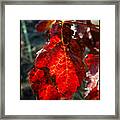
60	59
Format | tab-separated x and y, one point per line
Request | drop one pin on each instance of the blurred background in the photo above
30	41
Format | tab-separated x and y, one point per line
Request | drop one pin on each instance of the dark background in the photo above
30	42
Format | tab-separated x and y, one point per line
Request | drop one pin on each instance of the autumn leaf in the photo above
48	92
59	68
94	94
44	25
67	68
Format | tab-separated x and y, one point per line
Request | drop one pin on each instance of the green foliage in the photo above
79	95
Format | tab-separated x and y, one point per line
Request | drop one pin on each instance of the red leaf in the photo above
94	94
48	92
63	64
59	68
35	74
92	62
44	25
